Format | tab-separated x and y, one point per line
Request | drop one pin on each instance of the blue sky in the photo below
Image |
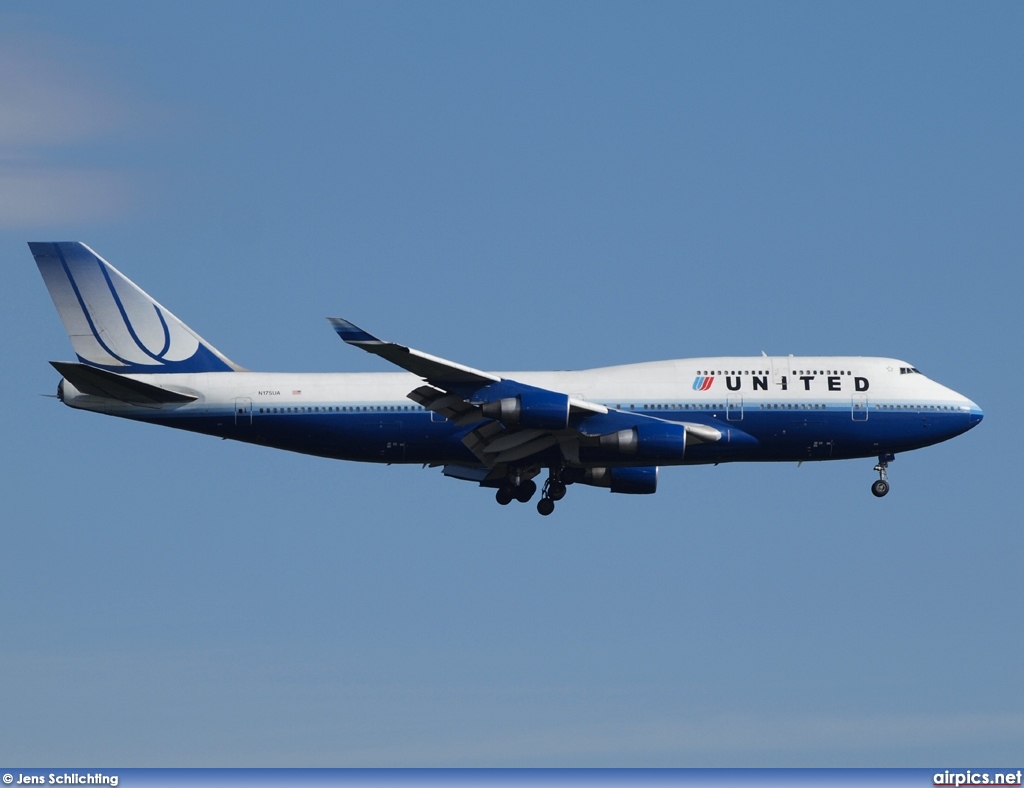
517	186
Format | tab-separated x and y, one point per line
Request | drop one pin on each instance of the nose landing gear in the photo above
880	487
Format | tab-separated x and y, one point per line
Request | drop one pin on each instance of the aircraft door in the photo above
243	412
780	371
860	407
734	407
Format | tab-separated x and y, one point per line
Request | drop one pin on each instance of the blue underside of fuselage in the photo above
417	437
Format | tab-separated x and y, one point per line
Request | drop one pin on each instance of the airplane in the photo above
609	427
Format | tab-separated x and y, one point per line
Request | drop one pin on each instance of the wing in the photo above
430	368
446	376
514	421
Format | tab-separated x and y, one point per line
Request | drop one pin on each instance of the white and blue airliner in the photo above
610	427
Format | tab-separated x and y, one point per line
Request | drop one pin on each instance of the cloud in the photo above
41	195
51	112
46	103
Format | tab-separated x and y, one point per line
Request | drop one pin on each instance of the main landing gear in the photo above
515	489
880	487
521	492
554	490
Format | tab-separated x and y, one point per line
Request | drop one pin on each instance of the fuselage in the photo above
610	427
791	408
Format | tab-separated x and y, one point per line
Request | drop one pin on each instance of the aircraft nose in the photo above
974	416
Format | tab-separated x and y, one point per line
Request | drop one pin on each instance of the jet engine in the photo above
654	442
542	410
632	481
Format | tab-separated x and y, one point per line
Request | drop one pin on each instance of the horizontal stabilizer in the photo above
100	383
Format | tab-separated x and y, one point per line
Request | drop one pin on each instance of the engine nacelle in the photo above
543	410
631	481
655	442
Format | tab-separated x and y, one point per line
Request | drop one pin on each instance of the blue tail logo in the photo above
112	323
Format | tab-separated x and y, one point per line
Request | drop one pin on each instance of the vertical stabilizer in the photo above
112	323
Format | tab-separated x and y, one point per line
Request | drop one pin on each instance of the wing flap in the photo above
466	473
451	406
537	444
476	441
512	440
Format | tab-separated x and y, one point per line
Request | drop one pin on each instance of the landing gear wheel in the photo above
504	496
545	506
881	487
525	491
556	491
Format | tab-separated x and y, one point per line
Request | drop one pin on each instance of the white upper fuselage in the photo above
756	380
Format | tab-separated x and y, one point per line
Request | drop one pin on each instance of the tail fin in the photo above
112	323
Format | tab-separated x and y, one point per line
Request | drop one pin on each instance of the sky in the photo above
555	185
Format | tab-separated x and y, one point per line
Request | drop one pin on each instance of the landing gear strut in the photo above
880	487
554	490
525	491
